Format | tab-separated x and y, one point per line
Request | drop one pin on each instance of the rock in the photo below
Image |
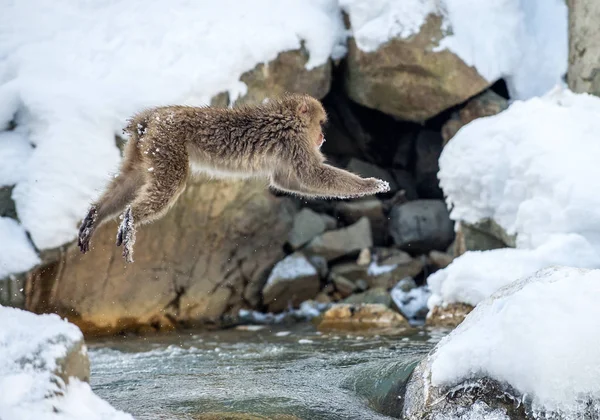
448	316
344	286
371	208
428	149
484	105
386	273
330	222
337	243
410	300
406	285
475	399
12	291
364	258
322	298
292	281
361	285
208	256
307	225
320	264
368	170
440	259
481	236
407	79
344	316
421	226
241	416
377	295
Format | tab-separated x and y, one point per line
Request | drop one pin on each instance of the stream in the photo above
261	370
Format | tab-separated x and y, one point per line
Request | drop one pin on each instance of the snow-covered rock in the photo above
529	169
531	348
43	371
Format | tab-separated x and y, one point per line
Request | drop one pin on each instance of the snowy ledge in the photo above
529	169
43	371
538	338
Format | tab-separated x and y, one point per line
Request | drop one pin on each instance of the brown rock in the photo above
207	256
344	286
481	236
407	79
440	259
292	281
448	316
484	105
343	316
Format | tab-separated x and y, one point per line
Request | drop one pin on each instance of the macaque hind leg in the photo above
165	183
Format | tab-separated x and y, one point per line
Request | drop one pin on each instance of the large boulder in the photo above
207	256
292	281
407	78
421	226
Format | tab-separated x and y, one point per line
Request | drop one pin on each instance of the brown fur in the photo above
279	140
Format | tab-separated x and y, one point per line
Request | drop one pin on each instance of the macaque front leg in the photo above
322	180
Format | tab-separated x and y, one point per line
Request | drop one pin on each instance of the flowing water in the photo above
272	371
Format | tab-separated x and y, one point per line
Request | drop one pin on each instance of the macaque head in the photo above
310	111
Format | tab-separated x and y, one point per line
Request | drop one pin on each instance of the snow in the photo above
14	152
29	348
529	169
524	42
16	252
376	270
539	335
411	302
290	268
72	72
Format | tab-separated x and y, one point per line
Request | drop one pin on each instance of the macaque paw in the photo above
126	235
377	186
86	230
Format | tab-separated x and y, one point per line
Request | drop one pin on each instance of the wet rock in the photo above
406	78
481	236
7	205
377	295
440	259
428	148
292	281
344	316
368	170
421	226
371	208
307	225
337	243
448	316
474	399
486	104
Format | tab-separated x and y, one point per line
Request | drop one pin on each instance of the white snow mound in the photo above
539	335
29	390
524	42
529	169
72	72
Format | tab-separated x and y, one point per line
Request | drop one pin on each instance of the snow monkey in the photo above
278	140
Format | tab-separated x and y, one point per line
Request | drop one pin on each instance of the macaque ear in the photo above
302	108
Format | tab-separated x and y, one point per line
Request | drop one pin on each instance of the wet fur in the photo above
278	140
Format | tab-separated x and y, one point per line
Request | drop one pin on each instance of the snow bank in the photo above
71	72
30	346
16	252
525	42
529	169
540	335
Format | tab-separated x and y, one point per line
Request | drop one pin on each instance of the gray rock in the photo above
406	183
376	295
331	222
367	170
292	281
371	208
481	236
343	285
440	259
307	225
337	243
320	264
421	226
7	205
352	317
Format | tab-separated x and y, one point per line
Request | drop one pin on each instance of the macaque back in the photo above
279	141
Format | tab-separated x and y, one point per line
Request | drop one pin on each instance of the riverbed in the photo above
261	370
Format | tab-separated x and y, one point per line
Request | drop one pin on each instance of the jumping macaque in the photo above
279	140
